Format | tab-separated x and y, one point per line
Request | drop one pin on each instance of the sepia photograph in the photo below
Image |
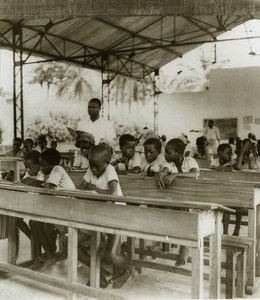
129	149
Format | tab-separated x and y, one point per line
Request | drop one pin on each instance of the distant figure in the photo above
147	134
27	146
42	144
101	128
211	132
53	144
163	139
202	149
16	150
232	144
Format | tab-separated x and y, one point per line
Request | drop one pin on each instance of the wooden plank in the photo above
75	287
12	249
107	215
197	272
95	259
215	259
230	274
130	254
241	274
72	254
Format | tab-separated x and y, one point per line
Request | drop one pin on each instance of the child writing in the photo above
174	151
102	178
129	161
55	178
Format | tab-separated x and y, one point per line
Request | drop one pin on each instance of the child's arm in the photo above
83	185
112	188
49	185
193	173
238	164
165	178
121	160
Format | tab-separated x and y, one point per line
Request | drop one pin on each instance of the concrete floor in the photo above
150	284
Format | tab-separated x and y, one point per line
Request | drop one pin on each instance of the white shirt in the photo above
212	133
100	128
103	180
187	164
155	166
60	178
39	176
80	161
135	161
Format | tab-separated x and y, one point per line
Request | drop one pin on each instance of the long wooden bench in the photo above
232	194
82	210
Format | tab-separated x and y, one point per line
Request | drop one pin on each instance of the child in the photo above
202	151
174	152
102	178
152	161
41	143
224	157
86	142
55	178
244	159
27	146
129	161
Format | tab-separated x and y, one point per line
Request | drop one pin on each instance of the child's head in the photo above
42	142
163	138
99	158
127	144
174	150
27	146
224	153
17	143
87	141
49	158
258	147
247	152
53	144
32	162
152	148
201	142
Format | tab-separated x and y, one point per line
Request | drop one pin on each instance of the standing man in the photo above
211	132
101	128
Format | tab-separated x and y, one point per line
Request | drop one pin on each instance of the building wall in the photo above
232	93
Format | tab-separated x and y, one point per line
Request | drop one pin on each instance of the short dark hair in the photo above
223	147
96	100
34	156
51	156
231	140
156	142
101	149
177	144
30	141
42	138
17	139
201	140
124	138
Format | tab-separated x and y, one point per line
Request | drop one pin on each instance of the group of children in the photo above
102	167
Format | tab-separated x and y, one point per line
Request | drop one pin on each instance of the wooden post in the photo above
95	259
215	259
197	272
72	254
130	254
241	274
230	274
12	241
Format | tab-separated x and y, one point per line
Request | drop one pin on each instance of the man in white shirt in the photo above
101	128
211	132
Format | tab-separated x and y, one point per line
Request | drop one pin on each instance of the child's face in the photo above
45	167
128	150
31	168
26	148
225	155
85	147
150	152
170	154
97	165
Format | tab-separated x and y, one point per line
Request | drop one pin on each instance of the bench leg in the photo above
241	274
251	257
197	272
72	254
95	259
215	259
12	241
142	246
130	253
230	274
258	241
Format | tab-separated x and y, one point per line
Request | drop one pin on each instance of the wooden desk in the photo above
82	210
12	163
231	194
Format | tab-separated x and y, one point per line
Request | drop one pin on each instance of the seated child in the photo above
33	177
129	161
102	178
86	142
27	146
224	157
202	150
152	161
174	152
55	178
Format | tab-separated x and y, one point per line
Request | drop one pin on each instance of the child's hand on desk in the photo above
123	160
168	179
92	187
